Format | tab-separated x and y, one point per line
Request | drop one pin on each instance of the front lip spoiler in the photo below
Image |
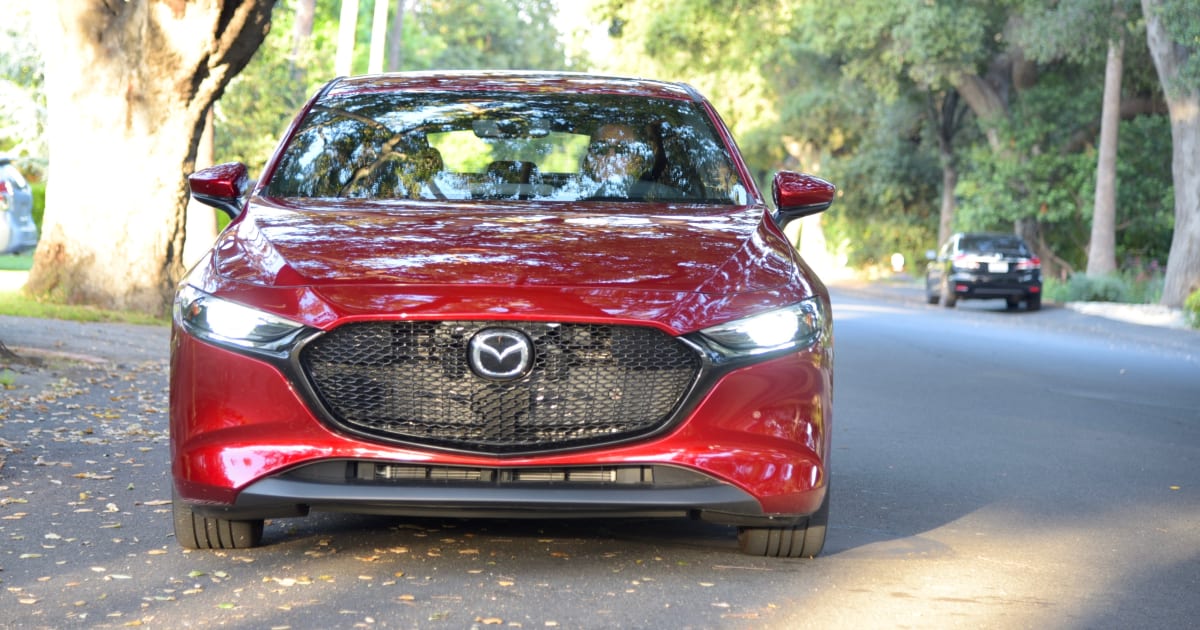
278	498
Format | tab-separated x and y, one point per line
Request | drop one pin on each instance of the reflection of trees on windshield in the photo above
500	146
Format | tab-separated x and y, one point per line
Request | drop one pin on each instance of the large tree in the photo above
1172	33
128	86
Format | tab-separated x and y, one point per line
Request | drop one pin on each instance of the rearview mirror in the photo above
798	195
221	186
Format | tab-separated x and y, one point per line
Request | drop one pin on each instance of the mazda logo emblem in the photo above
500	353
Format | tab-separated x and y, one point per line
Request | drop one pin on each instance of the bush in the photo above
1084	288
38	190
1191	309
1128	287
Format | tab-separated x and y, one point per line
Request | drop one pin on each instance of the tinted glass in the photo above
1004	245
550	147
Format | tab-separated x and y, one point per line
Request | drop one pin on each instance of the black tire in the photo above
1012	302
931	296
949	299
193	531
1034	302
800	541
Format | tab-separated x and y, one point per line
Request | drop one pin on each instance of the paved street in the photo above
993	469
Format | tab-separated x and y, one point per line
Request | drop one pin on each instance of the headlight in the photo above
228	323
795	326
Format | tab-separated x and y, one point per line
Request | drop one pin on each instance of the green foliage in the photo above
1078	30
38	190
484	34
1180	20
1132	286
1084	288
1191	309
890	199
1145	192
1044	171
22	99
261	101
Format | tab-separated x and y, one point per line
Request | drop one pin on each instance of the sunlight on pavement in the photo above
958	576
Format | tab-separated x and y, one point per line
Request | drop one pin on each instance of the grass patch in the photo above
1191	309
23	262
17	304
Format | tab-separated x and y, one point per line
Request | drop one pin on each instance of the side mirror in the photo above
221	186
930	254
798	195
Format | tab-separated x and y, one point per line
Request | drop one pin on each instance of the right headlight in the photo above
795	326
229	323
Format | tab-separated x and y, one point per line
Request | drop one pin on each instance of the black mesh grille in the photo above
410	381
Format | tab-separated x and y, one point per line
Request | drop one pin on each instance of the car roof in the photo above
510	81
988	235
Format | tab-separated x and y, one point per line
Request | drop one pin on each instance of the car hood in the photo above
677	265
690	249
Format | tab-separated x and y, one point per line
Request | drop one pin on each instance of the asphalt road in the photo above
992	469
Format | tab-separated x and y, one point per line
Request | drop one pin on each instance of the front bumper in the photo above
752	449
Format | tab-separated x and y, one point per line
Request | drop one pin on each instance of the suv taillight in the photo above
964	261
1029	263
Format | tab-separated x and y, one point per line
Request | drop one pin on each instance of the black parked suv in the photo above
984	266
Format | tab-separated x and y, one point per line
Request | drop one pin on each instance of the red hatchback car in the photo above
504	295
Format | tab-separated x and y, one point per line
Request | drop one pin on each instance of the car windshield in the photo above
540	146
1003	245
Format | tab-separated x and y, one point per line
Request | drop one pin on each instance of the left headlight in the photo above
795	326
228	323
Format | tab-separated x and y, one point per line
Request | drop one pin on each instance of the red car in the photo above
504	295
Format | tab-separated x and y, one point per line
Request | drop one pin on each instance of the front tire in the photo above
800	541
193	531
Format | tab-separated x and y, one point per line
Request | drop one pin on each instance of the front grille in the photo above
588	384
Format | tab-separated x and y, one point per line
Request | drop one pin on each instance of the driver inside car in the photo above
616	161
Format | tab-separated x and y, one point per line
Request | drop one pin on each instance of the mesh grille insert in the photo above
410	381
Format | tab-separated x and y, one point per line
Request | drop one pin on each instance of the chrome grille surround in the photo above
410	382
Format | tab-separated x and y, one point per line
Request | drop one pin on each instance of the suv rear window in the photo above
1006	245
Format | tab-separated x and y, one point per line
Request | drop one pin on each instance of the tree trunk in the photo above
1183	101
343	63
201	227
303	28
378	37
987	104
949	205
396	40
947	114
302	33
1102	251
128	85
